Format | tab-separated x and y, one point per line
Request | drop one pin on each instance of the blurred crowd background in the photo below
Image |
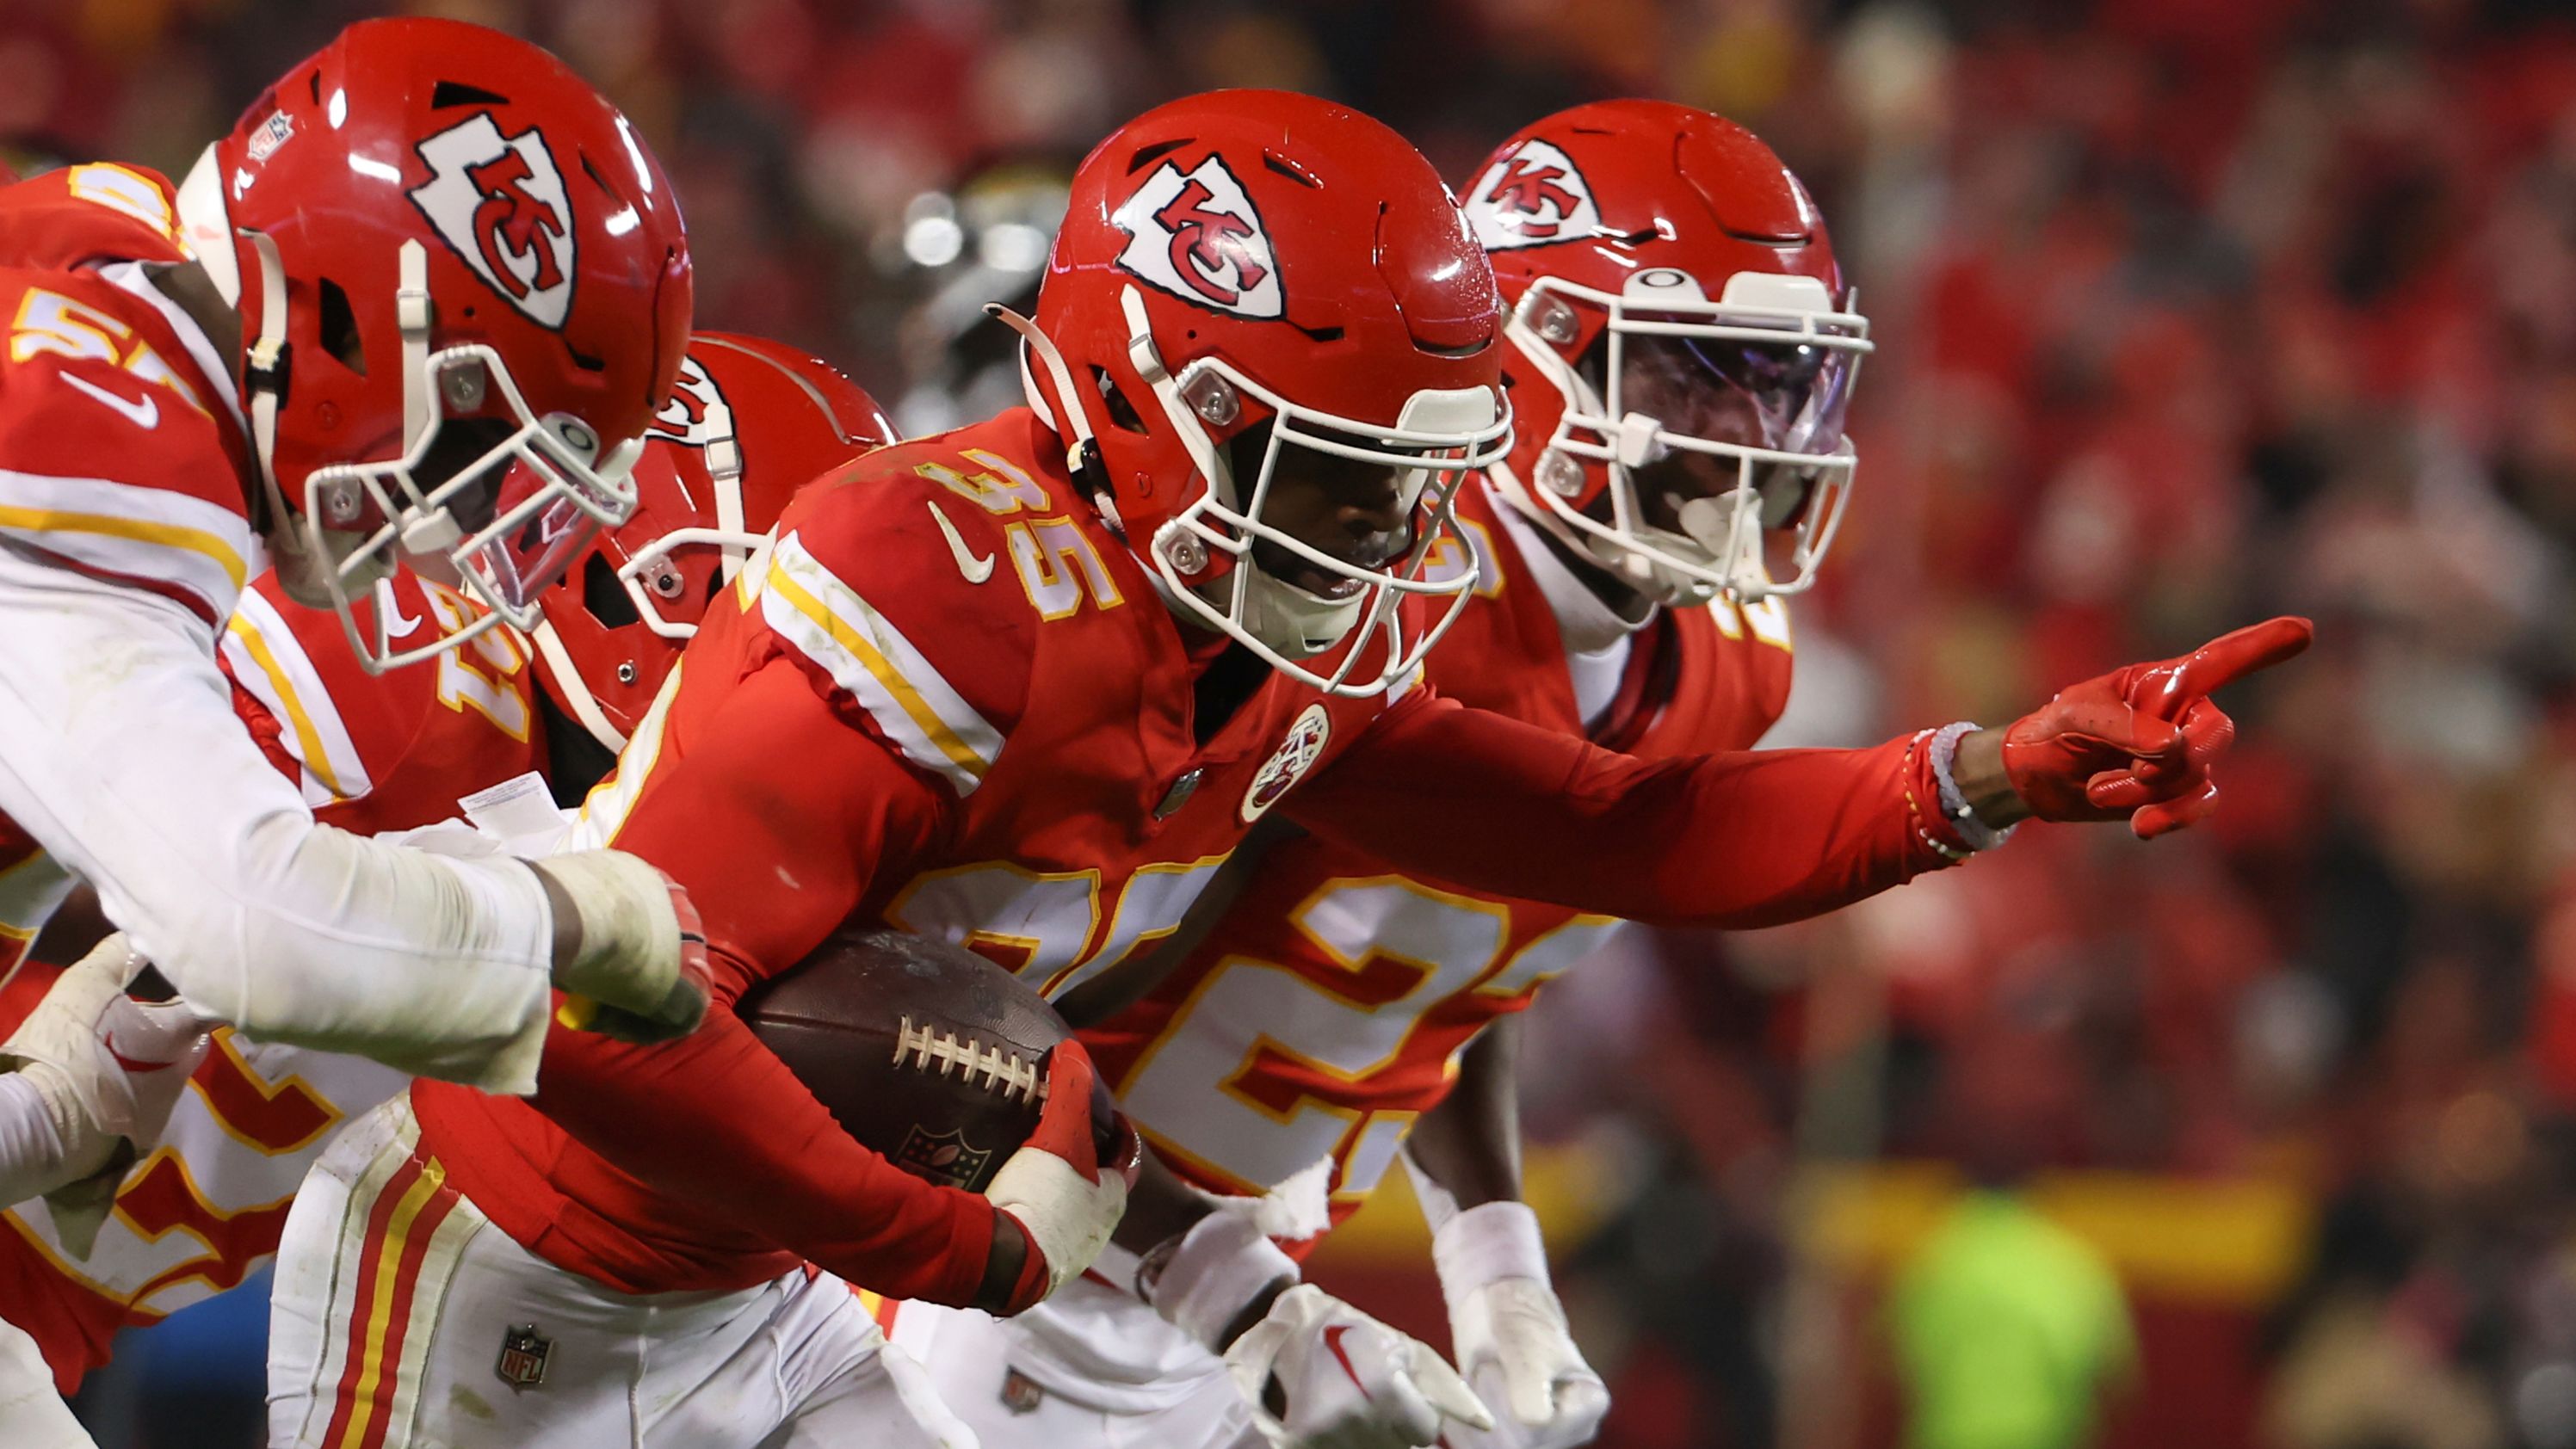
2188	311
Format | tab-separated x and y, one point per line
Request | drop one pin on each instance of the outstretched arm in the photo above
1735	840
1755	839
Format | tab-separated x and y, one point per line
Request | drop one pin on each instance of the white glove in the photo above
1347	1380
108	1069
1505	1324
1060	1191
641	973
1509	1333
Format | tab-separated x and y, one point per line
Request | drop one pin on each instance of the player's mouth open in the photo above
1300	573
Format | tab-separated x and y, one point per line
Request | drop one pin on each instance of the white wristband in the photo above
1438	1203
1485	1243
1955	812
1222	1263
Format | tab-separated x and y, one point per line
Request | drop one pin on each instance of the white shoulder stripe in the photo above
270	662
139	532
604	810
866	655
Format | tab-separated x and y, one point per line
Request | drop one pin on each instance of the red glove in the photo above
2139	741
1067	1185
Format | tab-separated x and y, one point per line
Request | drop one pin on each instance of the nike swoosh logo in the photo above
976	570
396	626
143	412
1333	1343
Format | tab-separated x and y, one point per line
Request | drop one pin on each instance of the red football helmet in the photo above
467	291
752	422
1244	273
1673	297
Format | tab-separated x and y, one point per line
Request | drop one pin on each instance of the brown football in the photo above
926	1052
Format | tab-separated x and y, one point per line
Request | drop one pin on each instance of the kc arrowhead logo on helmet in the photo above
1530	198
696	414
499	201
1196	236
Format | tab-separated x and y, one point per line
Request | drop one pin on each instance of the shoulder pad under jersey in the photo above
918	577
83	215
343	729
1732	681
119	455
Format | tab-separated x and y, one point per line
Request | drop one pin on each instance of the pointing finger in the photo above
2167	690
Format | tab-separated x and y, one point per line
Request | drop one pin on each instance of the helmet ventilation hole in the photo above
1122	413
339	326
1151	154
604	595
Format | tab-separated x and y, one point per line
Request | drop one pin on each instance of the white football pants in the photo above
403	1319
32	1415
1090	1368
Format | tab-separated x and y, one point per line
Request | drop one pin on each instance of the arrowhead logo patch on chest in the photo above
1289	763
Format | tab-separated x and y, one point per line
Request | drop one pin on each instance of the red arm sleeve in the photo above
778	818
717	1121
779	813
1733	840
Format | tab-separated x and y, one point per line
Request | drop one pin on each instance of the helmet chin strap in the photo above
412	316
574	695
301	555
1711	528
1075	424
724	474
1295	622
1075	429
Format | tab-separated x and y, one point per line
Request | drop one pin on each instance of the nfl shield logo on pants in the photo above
523	1357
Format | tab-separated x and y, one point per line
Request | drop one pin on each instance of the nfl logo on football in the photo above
941	1156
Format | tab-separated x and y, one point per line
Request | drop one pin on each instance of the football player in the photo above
1667	283
429	260
1025	684
410	748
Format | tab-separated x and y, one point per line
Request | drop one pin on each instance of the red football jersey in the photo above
121	449
373	753
1321	1016
948	698
954	612
90	214
377	752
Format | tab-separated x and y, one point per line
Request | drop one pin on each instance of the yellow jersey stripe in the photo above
308	740
813	612
893	682
136	530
